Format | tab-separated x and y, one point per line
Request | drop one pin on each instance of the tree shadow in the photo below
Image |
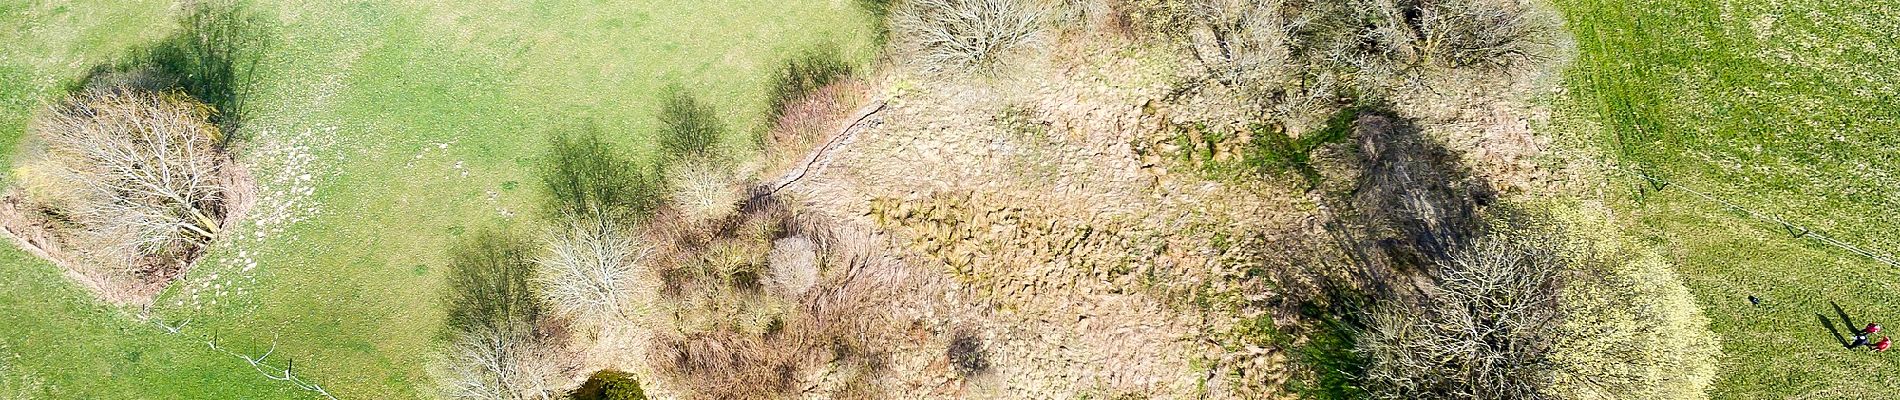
1844	318
1830	328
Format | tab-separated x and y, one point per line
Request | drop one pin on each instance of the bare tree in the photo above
1482	332
590	273
1491	35
148	164
490	365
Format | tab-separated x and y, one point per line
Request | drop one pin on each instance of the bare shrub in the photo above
591	274
142	168
794	266
1483	331
1493	35
487	365
703	189
951	35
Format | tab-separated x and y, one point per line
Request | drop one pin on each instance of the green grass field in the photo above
423	119
1787	107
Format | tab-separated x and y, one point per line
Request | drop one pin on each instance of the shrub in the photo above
609	385
690	128
967	355
703	189
487	365
1492	35
588	180
1484	330
140	170
804	75
967	34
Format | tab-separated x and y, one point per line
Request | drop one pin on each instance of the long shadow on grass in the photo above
1849	321
1830	328
212	57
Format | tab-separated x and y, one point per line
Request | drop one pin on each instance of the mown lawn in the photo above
1789	107
423	120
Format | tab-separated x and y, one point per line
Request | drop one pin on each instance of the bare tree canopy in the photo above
1485	331
147	164
590	275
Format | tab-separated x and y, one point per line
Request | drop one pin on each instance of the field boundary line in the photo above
1797	231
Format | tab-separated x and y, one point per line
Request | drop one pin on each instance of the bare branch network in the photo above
146	164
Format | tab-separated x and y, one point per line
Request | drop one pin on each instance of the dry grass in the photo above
817	323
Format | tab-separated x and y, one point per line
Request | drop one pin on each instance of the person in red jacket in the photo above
1882	344
1870	329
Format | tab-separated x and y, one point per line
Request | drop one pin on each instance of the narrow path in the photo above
821	157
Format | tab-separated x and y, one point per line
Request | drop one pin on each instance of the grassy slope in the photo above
350	293
1789	107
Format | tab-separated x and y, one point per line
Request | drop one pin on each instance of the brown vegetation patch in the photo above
739	331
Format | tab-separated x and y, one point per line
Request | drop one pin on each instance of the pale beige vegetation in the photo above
126	184
948	35
591	274
1481	331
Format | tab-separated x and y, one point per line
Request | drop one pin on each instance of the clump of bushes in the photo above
609	385
949	35
768	296
1299	59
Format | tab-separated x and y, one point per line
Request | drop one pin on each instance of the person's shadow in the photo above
1845	320
1830	328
